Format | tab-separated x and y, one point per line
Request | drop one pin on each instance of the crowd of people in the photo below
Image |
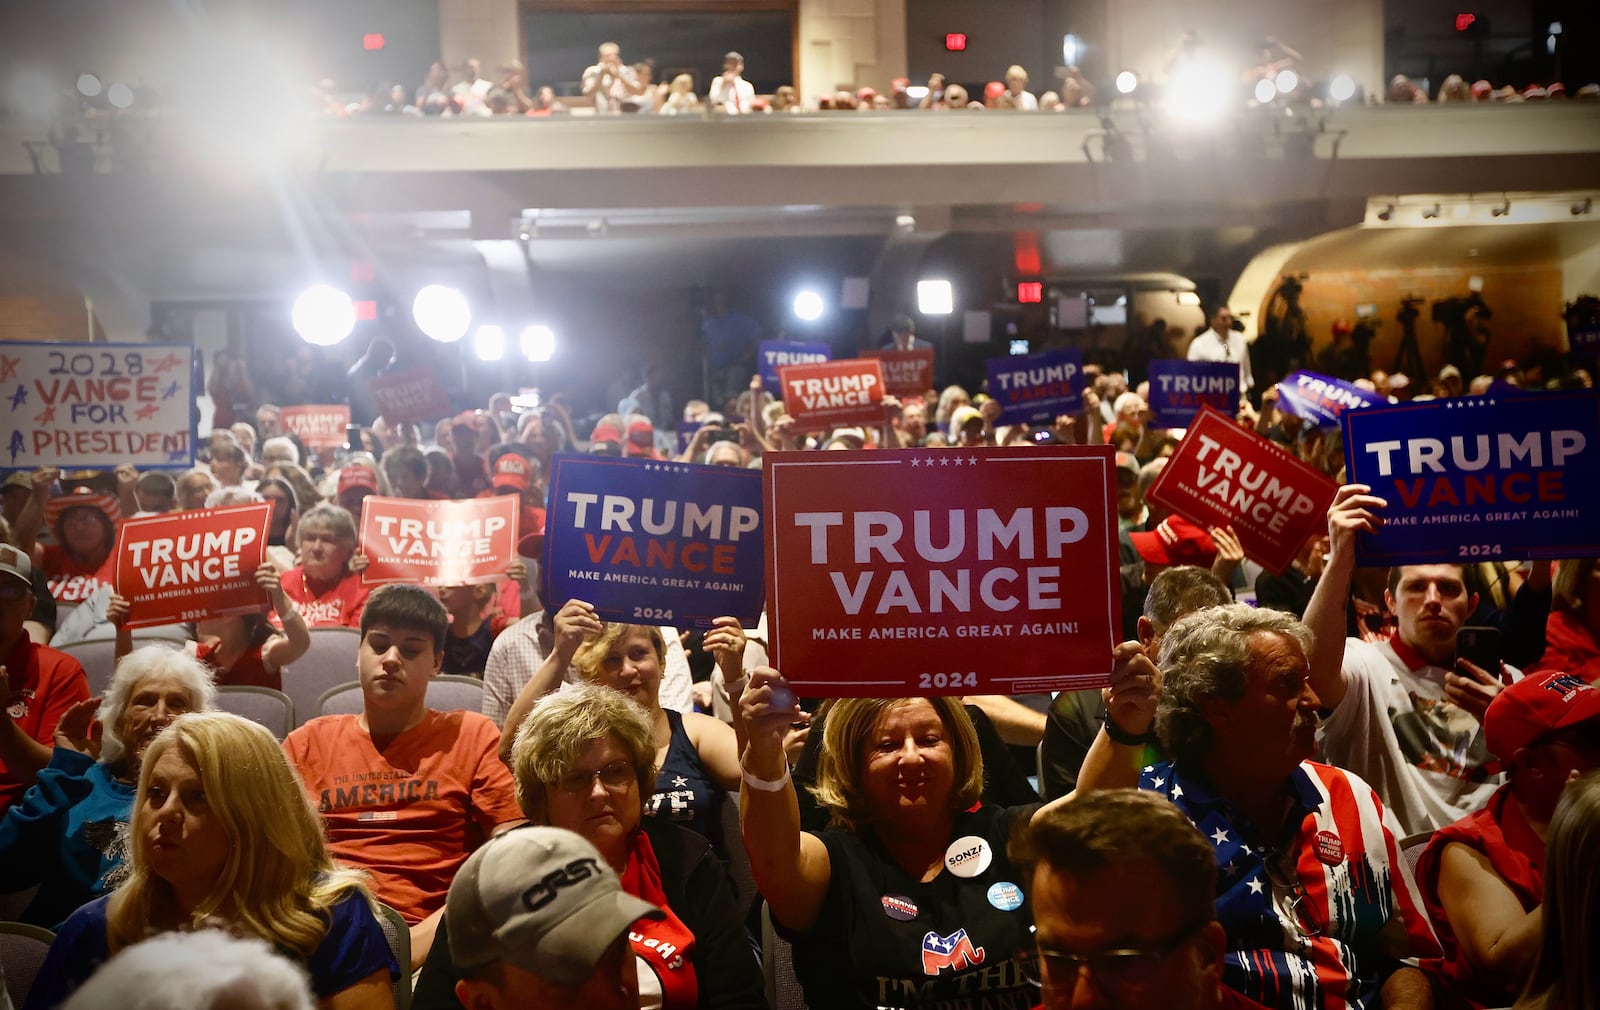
1222	827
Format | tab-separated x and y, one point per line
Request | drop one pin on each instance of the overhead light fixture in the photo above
1503	209
442	313
935	298
89	85
1265	91
1386	213
323	315
538	342
1071	48
489	343
1429	213
1127	82
1579	209
1286	81
1199	92
120	96
807	306
1342	88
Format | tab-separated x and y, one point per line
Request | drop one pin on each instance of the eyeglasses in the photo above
1280	870
616	777
1121	969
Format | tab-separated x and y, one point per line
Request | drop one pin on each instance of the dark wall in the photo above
998	35
559	45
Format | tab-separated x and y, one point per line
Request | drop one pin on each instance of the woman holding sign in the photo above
323	589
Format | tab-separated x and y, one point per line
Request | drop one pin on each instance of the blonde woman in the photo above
222	835
681	97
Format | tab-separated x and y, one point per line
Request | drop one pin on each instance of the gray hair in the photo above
1207	654
134	667
334	518
241	973
274	448
1181	590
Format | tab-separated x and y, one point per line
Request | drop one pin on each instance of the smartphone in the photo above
1482	647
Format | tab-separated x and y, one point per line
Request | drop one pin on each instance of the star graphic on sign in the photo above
19	397
170	361
170	391
914	461
1255	885
146	412
1219	836
46	415
944	460
8	367
678	781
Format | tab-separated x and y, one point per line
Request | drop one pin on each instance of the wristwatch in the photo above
1119	735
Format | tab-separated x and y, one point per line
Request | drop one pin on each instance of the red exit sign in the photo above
1030	292
955	42
372	42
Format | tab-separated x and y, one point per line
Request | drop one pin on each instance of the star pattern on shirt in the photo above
1219	836
1158	783
1254	885
1177	791
1230	870
678	781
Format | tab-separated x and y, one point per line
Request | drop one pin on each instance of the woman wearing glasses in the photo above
584	760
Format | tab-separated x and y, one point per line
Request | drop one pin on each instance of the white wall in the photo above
850	43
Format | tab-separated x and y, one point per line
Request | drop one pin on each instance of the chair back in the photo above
398	933
345	699
263	705
1411	848
99	660
777	964
449	692
328	663
22	951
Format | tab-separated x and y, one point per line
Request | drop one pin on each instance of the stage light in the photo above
1198	92
1286	81
442	313
323	315
489	343
1342	88
808	306
89	85
1127	82
120	96
935	298
1265	91
1071	49
538	343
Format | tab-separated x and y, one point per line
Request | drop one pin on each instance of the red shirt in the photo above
44	684
339	607
1569	648
249	669
71	582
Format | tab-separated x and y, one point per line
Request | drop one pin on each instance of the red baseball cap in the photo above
357	475
641	439
511	470
1534	707
606	432
1175	541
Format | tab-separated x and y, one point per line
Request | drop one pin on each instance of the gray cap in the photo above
541	899
14	562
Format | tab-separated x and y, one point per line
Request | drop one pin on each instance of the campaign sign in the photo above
833	393
1037	387
96	405
1178	389
774	354
185	566
318	426
952	571
1322	399
438	543
1479	478
655	543
1225	475
906	374
412	395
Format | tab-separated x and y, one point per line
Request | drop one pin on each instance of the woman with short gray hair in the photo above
323	589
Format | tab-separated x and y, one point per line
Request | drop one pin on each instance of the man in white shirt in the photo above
1221	343
1017	86
610	81
730	92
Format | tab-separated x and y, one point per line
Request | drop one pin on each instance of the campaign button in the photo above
1329	848
1005	896
968	856
897	906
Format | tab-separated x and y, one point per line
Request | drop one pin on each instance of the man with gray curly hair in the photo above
1317	906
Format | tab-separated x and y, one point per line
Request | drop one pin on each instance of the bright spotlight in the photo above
1266	91
808	306
1342	88
120	96
1286	81
538	343
935	298
1127	82
1071	49
442	313
89	85
323	315
489	343
1198	92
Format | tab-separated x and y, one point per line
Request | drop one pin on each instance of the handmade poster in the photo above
906	374
774	354
1178	389
185	566
950	571
319	426
438	543
96	405
412	395
1225	475
655	542
1322	399
1473	479
833	393
1037	388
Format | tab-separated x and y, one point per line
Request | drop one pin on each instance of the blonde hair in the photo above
848	733
562	726
278	881
1567	972
1571	579
592	653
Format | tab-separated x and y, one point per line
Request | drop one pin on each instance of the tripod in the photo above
1408	359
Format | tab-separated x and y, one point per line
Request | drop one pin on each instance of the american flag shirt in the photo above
1317	919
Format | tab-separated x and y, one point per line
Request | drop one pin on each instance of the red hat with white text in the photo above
511	471
1536	706
358	475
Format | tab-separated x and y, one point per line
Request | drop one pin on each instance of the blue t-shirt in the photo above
353	949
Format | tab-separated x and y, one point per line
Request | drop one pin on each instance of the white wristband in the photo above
764	785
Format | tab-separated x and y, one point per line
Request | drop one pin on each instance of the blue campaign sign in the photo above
655	542
1479	478
1037	387
1178	389
1322	399
774	354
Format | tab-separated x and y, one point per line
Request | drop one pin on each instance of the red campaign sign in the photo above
191	565
438	543
412	395
828	394
318	426
951	571
906	374
1225	475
